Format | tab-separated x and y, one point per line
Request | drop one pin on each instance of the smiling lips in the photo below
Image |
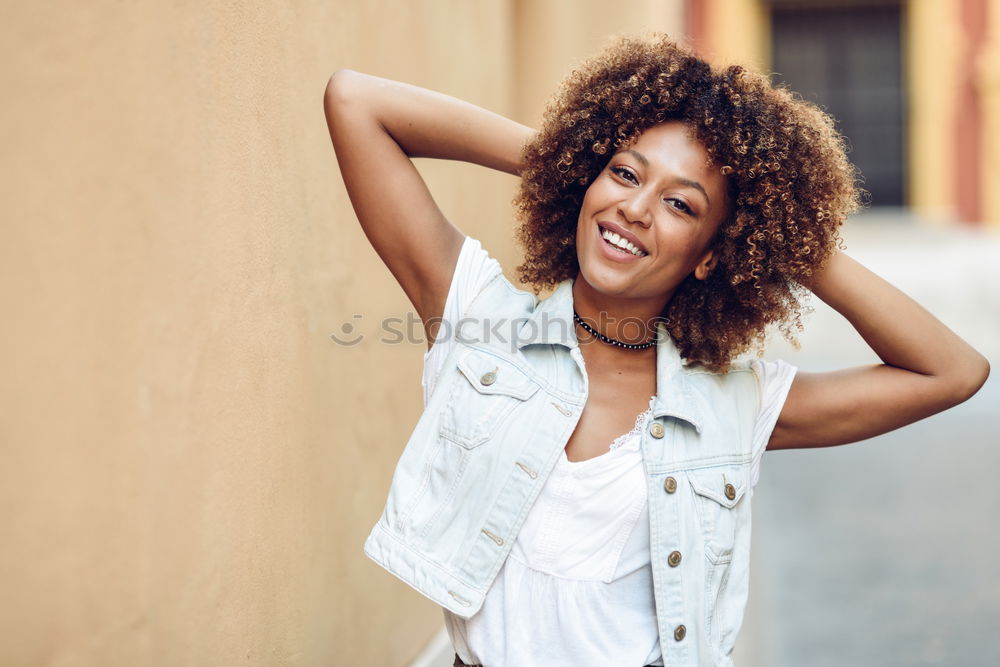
619	242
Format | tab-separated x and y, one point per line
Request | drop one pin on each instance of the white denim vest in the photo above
506	402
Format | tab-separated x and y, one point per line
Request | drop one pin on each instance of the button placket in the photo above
674	558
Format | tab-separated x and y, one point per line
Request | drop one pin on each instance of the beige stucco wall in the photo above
553	36
189	463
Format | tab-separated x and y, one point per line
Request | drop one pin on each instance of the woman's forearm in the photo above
425	123
900	331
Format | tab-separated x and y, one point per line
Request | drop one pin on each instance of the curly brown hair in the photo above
790	182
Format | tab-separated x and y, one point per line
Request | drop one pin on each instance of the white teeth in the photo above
622	243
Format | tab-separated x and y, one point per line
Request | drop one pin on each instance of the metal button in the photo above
656	430
674	559
670	485
489	378
730	491
680	632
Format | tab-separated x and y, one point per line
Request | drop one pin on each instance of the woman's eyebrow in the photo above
680	179
638	156
696	185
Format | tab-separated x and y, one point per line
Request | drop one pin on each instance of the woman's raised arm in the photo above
926	367
376	126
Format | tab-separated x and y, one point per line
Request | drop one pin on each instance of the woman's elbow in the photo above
341	90
970	379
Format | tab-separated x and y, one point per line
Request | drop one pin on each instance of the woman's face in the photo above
661	196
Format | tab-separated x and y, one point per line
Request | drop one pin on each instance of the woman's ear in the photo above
706	265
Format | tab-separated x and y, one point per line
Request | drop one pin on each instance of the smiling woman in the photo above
578	493
663	189
787	183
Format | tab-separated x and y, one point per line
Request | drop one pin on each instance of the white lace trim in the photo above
640	424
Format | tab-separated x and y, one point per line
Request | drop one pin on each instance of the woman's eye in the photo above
624	173
680	206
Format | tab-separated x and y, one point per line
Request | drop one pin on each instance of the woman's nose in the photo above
635	208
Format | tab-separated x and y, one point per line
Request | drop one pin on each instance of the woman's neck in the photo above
630	321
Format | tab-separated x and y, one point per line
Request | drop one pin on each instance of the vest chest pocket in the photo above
717	496
482	397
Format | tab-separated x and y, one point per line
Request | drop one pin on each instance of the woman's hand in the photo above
926	367
376	126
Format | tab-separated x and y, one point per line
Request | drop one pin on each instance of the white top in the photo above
577	587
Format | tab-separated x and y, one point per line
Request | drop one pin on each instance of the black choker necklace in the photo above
611	341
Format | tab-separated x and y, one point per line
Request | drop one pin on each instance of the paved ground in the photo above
886	552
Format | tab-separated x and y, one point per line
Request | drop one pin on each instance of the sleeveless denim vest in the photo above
506	402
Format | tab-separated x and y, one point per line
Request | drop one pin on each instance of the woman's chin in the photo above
613	282
607	281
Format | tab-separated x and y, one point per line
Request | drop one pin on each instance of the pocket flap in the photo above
489	374
724	485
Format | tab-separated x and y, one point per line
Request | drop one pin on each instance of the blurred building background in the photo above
913	84
189	463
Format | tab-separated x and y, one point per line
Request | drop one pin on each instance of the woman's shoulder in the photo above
756	366
480	286
768	381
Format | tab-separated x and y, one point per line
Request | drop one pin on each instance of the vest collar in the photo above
551	323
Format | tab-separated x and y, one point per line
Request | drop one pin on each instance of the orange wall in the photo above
987	72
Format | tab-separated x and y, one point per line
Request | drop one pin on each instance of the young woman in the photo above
577	491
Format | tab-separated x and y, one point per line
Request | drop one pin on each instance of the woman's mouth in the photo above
619	244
